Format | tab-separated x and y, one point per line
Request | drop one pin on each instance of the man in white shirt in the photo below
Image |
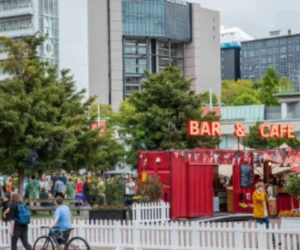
272	194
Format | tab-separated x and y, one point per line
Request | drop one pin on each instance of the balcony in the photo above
15	9
17	32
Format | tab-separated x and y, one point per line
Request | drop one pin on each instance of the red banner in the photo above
101	125
205	111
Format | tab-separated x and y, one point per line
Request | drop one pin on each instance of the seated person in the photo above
45	195
81	196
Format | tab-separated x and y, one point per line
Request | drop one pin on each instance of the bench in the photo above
38	205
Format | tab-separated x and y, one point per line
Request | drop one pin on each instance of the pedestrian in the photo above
70	189
59	189
3	192
272	194
86	189
62	221
5	207
34	188
260	206
19	217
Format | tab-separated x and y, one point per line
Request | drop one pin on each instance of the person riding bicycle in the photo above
61	222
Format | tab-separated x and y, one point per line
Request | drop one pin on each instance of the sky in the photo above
257	17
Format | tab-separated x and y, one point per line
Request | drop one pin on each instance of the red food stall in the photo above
190	177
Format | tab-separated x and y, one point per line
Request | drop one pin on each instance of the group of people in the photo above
17	214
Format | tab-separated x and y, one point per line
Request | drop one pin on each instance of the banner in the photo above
101	125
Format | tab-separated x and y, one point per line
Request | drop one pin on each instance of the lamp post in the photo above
172	128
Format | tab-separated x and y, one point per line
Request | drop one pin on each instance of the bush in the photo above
292	187
151	188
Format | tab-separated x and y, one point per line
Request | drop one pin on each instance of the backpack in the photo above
23	214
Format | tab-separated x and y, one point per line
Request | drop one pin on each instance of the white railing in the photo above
172	235
151	212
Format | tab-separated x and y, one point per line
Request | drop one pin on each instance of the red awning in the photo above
296	169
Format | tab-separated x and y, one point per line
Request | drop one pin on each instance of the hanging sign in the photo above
204	128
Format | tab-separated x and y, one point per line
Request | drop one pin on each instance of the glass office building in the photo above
154	36
280	52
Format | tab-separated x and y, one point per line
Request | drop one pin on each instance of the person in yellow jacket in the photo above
260	206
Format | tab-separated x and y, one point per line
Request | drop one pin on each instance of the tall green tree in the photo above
256	142
270	84
205	99
167	98
44	120
236	93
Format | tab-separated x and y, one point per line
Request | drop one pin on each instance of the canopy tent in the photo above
295	169
122	172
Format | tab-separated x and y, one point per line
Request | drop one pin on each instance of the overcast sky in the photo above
257	17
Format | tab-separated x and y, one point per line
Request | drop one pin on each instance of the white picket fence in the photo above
172	235
151	212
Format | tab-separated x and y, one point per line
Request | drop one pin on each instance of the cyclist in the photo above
61	221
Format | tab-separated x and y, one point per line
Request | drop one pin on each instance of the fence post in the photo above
238	236
195	235
82	229
261	238
137	234
138	211
117	235
174	235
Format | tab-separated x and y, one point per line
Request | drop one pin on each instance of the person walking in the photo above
62	221
19	217
34	188
272	194
260	207
59	189
5	207
70	189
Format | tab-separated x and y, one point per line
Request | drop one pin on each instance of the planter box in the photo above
107	215
290	222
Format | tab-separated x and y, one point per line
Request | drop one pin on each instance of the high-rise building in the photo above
231	39
66	24
279	51
127	37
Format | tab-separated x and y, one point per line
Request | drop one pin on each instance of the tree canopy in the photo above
241	92
45	123
166	99
257	142
270	84
205	99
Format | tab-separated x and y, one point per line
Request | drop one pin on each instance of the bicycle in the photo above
50	242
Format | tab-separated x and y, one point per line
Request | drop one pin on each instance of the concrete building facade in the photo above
128	37
67	42
231	39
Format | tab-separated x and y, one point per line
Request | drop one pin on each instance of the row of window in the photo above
15	24
271	51
271	42
14	4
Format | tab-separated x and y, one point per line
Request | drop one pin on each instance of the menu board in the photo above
246	175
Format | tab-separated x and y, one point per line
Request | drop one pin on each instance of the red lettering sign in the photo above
276	131
204	128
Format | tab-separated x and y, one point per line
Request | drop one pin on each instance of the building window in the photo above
297	39
283	49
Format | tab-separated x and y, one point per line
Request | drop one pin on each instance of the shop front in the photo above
193	182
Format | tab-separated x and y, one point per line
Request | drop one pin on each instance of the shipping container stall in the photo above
192	182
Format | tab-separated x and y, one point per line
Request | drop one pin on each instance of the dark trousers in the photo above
23	236
59	194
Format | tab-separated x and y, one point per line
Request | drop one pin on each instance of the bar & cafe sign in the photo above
204	128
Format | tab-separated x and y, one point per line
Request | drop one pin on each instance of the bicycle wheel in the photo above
78	243
43	243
